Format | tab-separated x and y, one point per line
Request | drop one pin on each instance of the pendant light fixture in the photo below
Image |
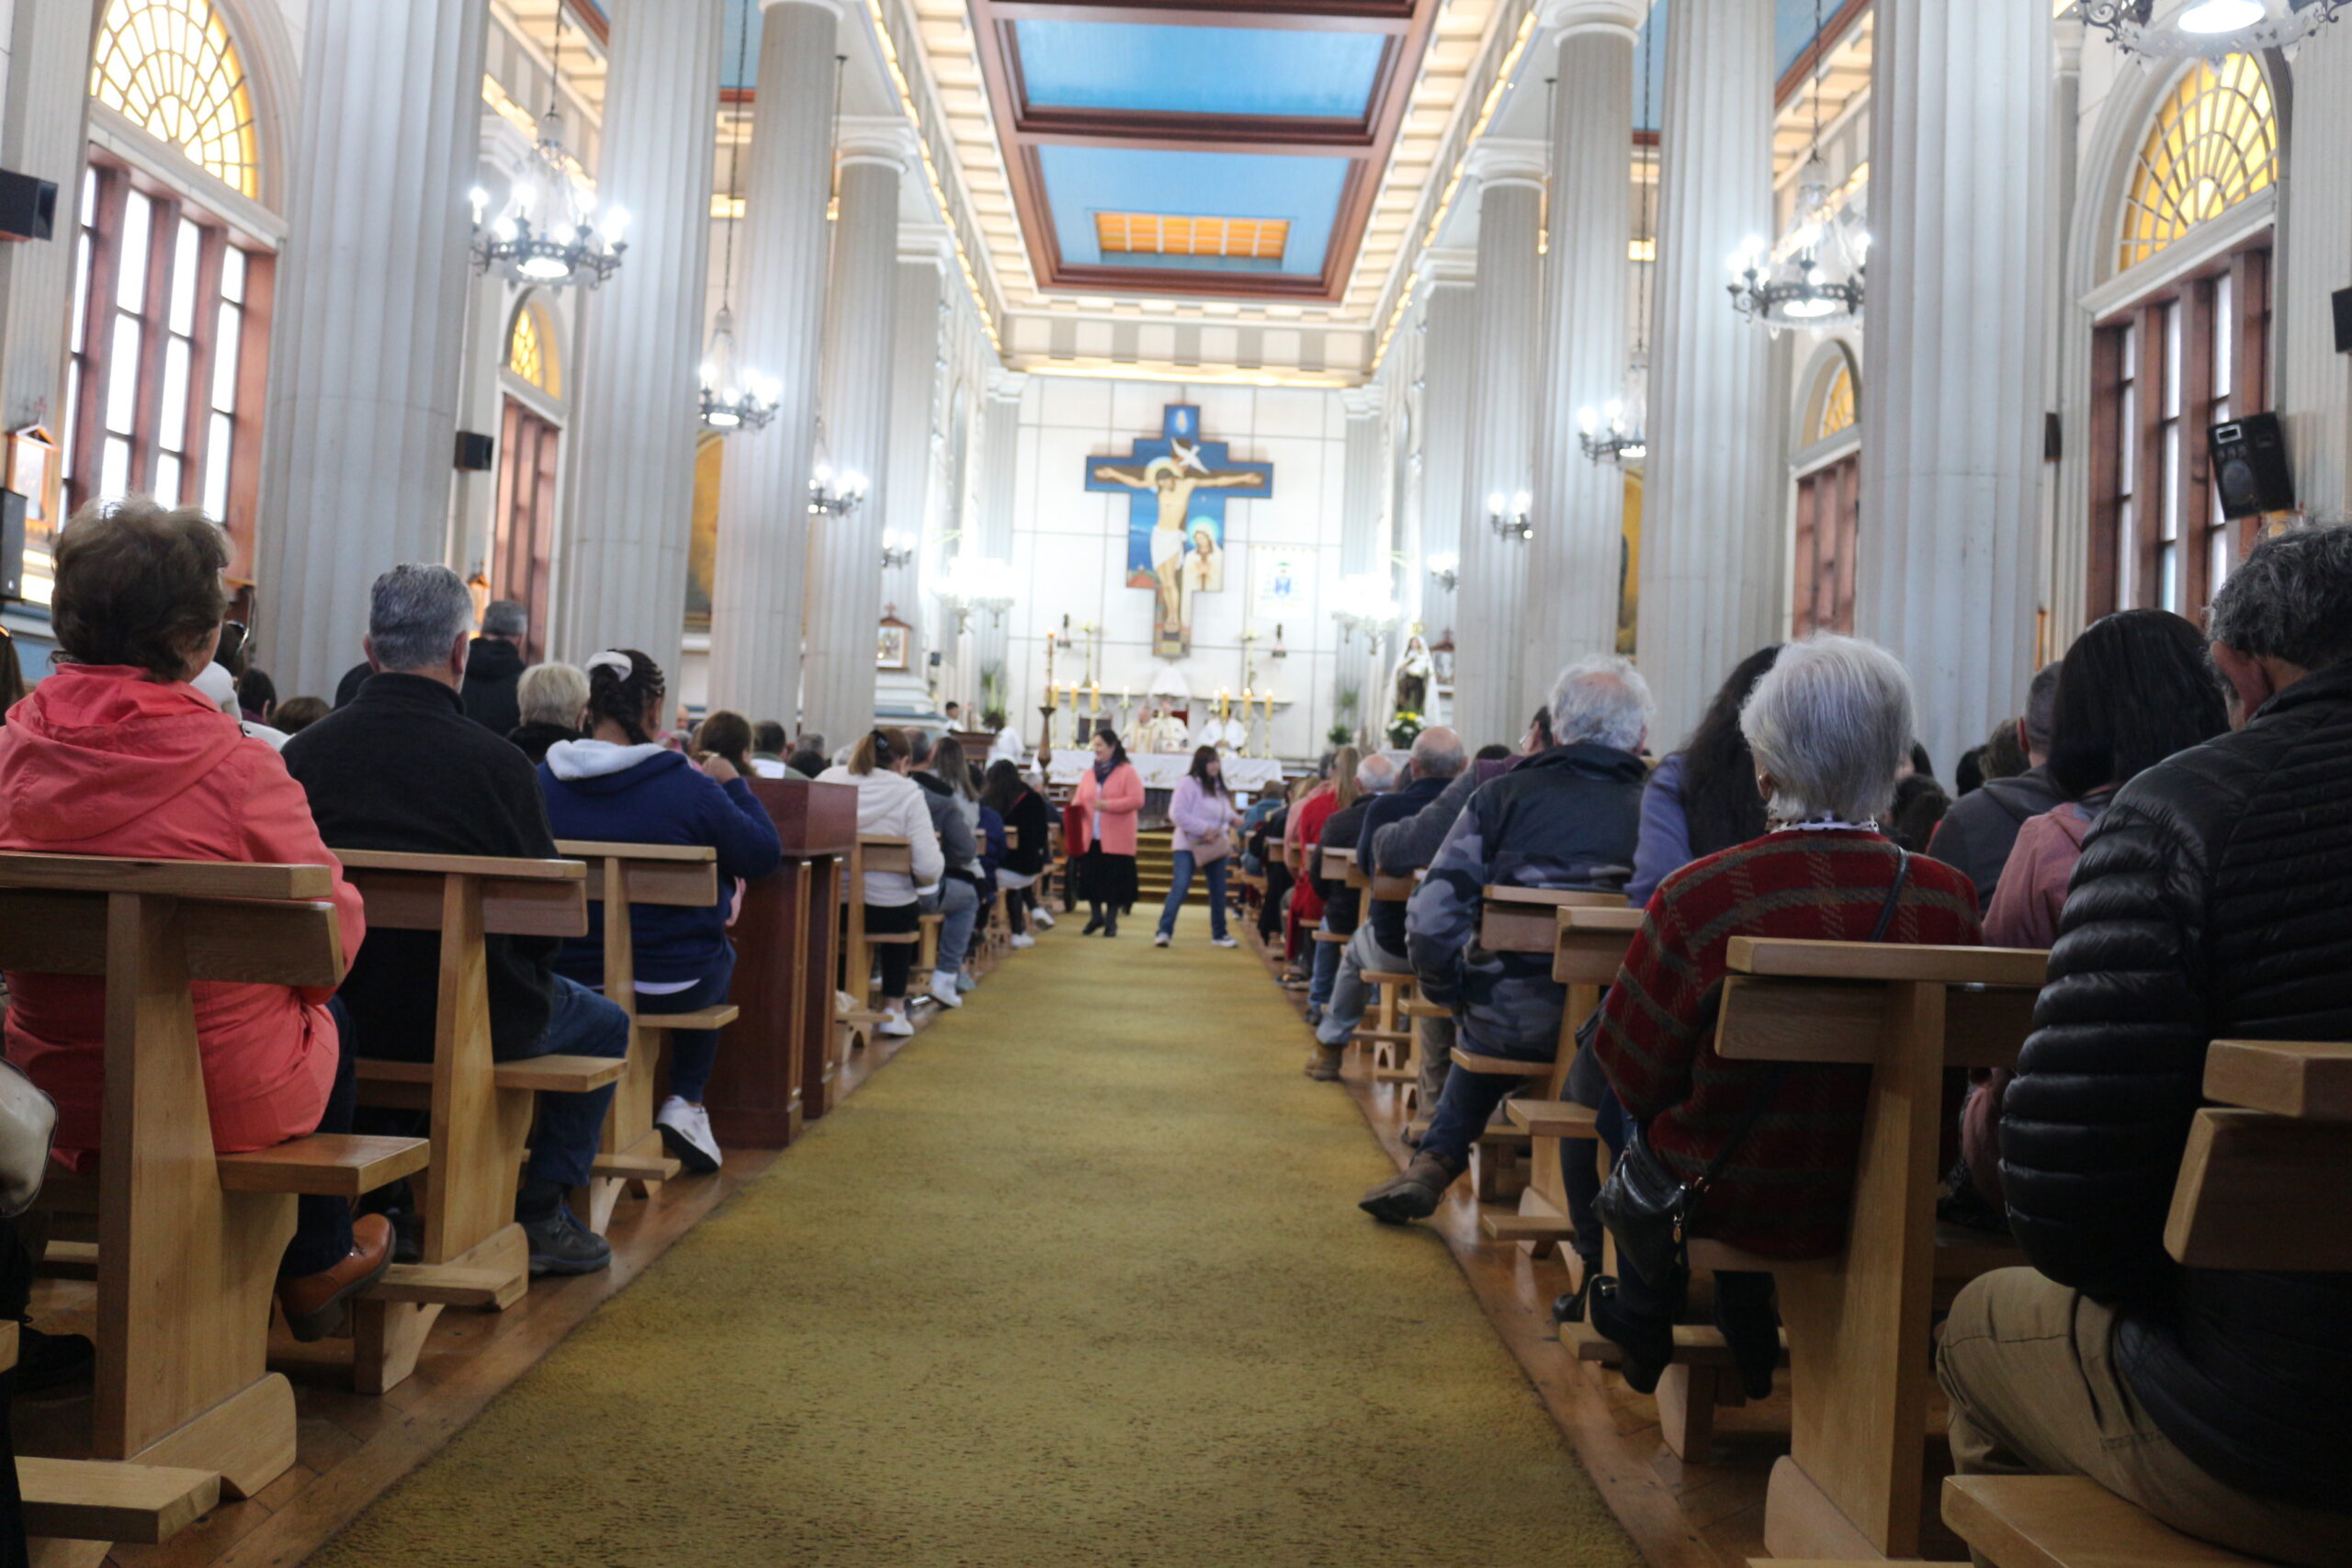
1814	276
2209	29
734	399
1613	433
549	235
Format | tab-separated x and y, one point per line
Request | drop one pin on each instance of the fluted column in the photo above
756	593
1952	452
363	387
1573	561
1501	440
632	438
845	553
2314	235
921	482
44	131
995	447
1449	328
1713	517
1360	554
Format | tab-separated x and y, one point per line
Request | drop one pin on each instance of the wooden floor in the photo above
351	1447
1682	1516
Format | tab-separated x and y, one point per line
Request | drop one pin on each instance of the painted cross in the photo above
1177	486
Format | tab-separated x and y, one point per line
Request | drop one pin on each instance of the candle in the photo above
1093	698
1270	705
1052	694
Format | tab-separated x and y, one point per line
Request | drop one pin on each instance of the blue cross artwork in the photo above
1177	486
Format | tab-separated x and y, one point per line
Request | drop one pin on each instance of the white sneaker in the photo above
1159	939
1043	917
685	1131
1025	939
942	988
966	981
1223	941
895	1025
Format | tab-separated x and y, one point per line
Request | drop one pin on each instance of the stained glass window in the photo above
171	67
531	351
2214	144
1838	413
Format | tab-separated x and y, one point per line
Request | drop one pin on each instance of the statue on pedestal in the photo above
1409	686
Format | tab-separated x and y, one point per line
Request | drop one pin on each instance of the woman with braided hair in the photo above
622	786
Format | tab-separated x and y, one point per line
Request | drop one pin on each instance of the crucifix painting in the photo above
1176	488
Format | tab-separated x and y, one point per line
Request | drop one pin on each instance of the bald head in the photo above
1375	775
1437	753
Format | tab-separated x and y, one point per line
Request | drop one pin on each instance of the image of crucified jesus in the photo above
1175	486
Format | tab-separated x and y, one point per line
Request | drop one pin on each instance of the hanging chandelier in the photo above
1613	433
1611	436
1814	276
549	235
2211	28
732	399
835	494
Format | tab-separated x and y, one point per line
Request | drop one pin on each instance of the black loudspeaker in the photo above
28	207
2250	466
2343	299
477	453
12	546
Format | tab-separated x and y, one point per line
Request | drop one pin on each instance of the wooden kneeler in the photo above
2281	1134
1858	1326
188	1240
875	853
633	1157
474	1253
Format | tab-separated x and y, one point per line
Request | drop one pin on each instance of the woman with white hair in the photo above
1830	726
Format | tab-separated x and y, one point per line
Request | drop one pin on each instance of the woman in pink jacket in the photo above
1205	817
1109	800
117	754
2135	688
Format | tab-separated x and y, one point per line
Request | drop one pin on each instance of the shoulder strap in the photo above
1765	1096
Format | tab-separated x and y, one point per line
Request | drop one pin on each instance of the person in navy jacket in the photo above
620	785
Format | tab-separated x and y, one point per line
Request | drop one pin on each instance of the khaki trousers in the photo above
2025	1362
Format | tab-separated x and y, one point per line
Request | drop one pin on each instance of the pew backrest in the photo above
1525	920
1836	1001
2255	1164
1591	942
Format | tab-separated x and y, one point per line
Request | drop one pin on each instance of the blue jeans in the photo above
1181	884
571	1125
1579	1163
1326	971
692	1051
1350	995
960	902
1467	1104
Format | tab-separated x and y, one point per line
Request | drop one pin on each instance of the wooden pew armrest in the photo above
1499	1067
719	1017
1554	1118
2311	1080
2059	1521
325	1164
451	1284
83	1499
555	1074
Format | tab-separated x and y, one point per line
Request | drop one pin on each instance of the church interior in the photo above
1388	497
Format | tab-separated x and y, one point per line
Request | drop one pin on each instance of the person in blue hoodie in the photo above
619	785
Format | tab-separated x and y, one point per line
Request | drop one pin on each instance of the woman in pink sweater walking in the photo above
1205	817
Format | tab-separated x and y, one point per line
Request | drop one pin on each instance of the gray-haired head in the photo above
1437	753
505	618
1830	724
416	615
1376	774
2042	707
810	740
552	694
918	747
2291	599
1602	699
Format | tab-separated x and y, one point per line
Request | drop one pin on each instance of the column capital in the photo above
1564	18
836	7
927	242
1498	162
885	140
1455	264
1362	402
1006	386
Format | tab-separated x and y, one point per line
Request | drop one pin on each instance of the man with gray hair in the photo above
1343	906
1379	942
495	666
2213	902
401	768
1568	818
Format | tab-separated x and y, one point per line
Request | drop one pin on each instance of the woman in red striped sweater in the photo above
1829	725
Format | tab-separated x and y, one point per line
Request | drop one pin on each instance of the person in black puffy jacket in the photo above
2213	902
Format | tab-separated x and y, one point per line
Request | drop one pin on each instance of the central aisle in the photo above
1078	1280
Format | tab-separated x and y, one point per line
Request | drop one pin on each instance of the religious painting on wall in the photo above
1177	486
1281	591
1629	567
892	641
702	548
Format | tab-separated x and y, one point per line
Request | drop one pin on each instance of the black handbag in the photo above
1644	1204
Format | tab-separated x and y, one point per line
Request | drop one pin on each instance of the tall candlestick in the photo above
1094	699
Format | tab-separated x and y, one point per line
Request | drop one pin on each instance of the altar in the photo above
1243	776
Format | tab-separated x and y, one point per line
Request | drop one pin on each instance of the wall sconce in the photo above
1510	518
898	549
1445	571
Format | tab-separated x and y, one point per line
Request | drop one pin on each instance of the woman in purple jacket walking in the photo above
1204	816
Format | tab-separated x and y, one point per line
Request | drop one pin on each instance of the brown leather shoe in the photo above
315	1304
1412	1193
1323	1062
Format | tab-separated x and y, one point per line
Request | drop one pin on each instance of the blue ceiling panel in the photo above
1082	181
1792	30
1148	68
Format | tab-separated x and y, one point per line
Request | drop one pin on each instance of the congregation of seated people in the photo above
2168	818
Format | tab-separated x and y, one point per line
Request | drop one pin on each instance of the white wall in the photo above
1070	547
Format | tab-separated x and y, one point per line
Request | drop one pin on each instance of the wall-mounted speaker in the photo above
477	453
2343	299
2250	469
28	207
12	546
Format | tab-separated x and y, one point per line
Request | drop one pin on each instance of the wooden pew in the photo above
2281	1133
874	852
1389	1039
188	1240
474	1253
620	876
1859	1325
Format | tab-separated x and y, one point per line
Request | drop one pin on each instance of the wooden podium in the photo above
771	1072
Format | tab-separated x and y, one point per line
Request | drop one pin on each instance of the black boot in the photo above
1094	924
1111	922
1751	1327
1624	1311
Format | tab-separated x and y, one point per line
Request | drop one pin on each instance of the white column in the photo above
2314	382
1449	328
845	553
633	430
1361	495
363	390
995	442
756	593
1501	440
1580	504
1713	517
44	132
1952	452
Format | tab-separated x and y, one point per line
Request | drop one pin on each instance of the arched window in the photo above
530	350
1829	496
1837	413
2215	144
170	67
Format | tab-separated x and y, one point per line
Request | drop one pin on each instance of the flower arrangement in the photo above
1404	729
